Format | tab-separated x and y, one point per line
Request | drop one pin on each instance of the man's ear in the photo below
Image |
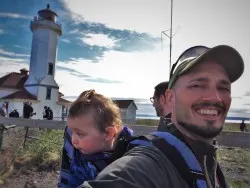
110	133
162	99
169	95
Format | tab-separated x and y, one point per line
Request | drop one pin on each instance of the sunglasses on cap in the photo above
190	53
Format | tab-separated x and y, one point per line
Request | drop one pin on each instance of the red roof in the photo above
63	101
124	103
21	94
13	80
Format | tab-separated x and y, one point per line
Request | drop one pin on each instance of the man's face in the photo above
158	106
201	100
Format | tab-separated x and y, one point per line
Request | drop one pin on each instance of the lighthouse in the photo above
46	31
37	85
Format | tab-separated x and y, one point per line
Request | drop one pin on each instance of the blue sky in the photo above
115	46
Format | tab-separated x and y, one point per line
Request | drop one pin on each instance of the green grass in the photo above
234	127
44	151
236	166
149	122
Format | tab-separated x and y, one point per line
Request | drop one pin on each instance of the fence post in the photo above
1	136
26	135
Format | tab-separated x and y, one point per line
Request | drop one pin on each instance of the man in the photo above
46	112
50	114
27	110
243	126
3	110
160	103
200	96
14	113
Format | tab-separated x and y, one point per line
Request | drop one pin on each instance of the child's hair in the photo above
105	111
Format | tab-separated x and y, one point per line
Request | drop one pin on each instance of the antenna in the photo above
169	36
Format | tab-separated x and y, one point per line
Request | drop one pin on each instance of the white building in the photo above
128	110
38	84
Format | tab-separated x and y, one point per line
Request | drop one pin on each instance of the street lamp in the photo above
169	36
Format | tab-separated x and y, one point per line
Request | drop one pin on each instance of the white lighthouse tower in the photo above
41	82
39	86
43	55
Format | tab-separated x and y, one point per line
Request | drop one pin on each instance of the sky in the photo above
116	47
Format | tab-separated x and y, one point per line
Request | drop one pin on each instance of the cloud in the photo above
74	31
12	65
72	71
238	110
90	40
116	67
247	94
129	14
12	60
98	40
14	15
21	47
65	40
88	78
13	54
102	80
236	97
121	40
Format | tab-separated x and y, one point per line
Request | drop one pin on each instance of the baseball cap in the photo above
226	56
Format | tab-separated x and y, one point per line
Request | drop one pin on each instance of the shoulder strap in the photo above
181	157
177	160
178	153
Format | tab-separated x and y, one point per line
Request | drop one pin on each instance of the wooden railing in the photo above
33	123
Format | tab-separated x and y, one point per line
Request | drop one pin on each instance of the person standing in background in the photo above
161	107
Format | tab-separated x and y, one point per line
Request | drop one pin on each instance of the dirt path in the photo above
32	179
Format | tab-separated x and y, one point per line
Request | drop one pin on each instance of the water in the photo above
228	119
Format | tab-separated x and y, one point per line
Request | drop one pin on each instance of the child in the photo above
94	125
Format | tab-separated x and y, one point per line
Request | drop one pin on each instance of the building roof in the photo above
13	80
63	102
124	103
21	94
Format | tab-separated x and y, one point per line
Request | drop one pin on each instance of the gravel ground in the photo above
31	179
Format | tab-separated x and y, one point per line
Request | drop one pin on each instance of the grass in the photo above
43	152
148	122
235	164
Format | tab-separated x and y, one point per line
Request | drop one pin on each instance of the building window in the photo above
50	69
48	94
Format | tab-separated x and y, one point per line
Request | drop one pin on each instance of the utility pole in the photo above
169	36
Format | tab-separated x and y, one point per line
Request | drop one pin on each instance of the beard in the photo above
207	131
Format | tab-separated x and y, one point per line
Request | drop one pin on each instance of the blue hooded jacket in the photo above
77	167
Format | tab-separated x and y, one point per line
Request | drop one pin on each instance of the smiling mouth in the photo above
209	112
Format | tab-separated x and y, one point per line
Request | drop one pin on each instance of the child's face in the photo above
85	136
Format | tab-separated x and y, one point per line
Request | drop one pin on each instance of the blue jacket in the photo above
77	167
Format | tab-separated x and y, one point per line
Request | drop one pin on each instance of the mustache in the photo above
219	105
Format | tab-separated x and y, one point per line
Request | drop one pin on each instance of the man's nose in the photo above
213	95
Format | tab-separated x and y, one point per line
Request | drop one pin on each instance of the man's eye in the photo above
225	89
196	86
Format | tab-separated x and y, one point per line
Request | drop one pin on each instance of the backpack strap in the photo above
181	156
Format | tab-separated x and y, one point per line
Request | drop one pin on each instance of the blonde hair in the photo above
105	111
